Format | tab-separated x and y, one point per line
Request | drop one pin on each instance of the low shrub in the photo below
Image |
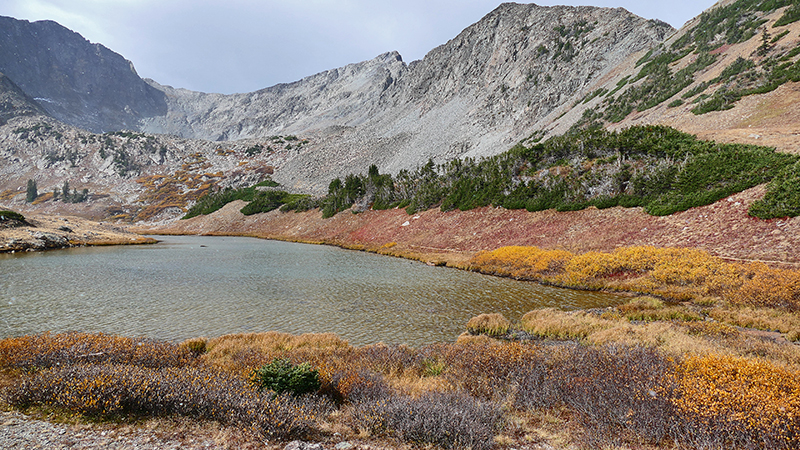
282	376
351	386
445	395
113	390
448	420
12	217
731	402
674	273
35	352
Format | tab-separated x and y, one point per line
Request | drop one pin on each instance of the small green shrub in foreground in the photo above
282	376
7	216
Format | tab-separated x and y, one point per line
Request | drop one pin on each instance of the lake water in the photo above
190	286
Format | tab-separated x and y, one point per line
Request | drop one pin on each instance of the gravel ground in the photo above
18	431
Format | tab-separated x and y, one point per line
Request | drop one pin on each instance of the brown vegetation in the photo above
483	394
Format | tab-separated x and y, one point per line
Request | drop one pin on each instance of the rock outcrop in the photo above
14	102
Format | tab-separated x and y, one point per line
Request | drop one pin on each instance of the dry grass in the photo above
556	324
679	274
489	324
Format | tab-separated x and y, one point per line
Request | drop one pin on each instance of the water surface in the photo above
190	286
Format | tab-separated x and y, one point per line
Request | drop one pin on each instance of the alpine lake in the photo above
193	286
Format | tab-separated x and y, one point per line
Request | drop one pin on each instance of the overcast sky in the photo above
229	46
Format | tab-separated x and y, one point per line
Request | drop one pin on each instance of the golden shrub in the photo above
675	273
765	286
522	262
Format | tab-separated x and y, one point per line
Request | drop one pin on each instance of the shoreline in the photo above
46	232
724	229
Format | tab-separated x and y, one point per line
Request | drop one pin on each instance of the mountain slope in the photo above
14	102
483	91
79	83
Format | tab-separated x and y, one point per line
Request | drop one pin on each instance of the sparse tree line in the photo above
655	167
65	194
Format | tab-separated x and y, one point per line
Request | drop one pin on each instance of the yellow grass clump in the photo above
489	324
674	273
557	324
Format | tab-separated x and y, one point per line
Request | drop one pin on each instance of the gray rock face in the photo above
477	95
514	72
15	103
341	96
79	83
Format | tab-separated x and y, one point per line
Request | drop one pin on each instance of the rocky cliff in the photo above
476	95
80	83
14	102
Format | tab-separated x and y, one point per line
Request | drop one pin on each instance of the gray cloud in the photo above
245	45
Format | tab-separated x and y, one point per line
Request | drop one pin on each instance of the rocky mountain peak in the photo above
77	82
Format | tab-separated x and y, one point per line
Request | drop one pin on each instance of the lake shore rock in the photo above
45	232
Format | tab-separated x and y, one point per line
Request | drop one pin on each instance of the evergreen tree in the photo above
765	46
65	193
32	192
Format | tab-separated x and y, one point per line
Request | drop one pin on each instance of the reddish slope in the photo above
723	228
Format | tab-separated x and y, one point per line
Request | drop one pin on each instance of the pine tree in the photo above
65	193
765	46
32	192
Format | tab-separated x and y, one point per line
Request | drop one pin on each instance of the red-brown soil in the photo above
723	229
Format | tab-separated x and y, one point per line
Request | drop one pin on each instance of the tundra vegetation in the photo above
730	391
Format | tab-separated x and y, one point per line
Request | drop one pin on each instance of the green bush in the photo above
783	196
214	201
9	216
265	201
791	15
282	376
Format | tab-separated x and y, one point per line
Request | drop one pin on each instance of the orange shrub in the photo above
764	286
746	400
522	262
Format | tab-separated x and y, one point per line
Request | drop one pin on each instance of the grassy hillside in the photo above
673	68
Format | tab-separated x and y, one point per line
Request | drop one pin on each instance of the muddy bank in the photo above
43	232
724	229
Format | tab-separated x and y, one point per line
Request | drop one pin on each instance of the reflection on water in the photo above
191	286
